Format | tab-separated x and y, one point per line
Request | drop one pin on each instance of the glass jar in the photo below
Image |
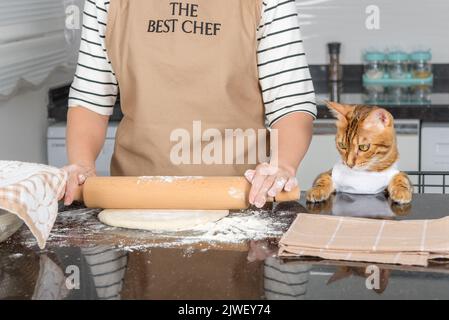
421	94
374	65
397	95
397	64
420	64
374	94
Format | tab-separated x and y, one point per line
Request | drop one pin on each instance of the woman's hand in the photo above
261	250
268	180
76	176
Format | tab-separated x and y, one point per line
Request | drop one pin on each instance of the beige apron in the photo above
175	69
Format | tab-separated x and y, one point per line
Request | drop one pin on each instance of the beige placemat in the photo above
409	242
31	191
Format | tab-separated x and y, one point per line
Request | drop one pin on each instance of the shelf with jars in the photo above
397	77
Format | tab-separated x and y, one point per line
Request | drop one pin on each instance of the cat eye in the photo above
364	147
341	145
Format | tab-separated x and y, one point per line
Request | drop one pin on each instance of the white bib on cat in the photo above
361	182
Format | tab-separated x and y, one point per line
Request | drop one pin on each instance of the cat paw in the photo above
401	195
317	195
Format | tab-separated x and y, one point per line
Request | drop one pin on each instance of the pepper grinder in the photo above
335	75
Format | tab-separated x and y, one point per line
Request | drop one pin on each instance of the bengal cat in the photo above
366	141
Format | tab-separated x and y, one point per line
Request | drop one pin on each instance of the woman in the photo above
221	65
229	64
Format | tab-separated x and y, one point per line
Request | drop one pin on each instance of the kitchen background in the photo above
38	57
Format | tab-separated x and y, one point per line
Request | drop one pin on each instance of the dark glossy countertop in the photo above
127	264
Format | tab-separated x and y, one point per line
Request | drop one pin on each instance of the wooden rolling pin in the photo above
195	193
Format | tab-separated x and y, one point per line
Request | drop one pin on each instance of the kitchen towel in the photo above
31	191
408	242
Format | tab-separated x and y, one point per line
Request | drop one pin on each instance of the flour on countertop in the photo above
238	227
83	229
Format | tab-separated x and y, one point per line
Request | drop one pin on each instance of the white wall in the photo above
406	23
23	121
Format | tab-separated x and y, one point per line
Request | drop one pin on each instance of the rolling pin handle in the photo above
285	196
78	196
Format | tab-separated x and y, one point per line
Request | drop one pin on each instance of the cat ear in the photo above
340	111
378	119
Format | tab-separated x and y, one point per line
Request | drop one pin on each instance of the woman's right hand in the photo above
76	176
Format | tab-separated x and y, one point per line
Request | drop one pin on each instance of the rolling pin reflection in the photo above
196	193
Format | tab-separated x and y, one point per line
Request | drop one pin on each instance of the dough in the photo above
9	224
168	220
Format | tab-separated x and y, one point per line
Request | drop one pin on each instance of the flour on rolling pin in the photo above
166	179
236	193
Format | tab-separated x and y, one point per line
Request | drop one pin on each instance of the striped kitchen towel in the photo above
408	242
31	191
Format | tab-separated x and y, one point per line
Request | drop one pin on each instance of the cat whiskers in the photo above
370	162
361	166
367	164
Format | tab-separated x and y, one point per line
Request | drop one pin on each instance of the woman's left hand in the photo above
261	250
268	180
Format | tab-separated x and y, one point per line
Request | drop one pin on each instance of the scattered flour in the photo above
81	228
241	226
238	227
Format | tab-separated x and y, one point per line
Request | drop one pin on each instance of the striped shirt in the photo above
107	267
284	74
284	281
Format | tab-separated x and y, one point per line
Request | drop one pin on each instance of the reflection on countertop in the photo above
86	260
356	205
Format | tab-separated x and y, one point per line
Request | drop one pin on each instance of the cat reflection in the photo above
347	271
355	205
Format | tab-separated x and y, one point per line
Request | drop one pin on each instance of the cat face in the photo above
365	137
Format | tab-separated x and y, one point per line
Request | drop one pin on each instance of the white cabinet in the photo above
323	154
435	153
435	147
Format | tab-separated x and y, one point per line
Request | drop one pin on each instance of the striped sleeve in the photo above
107	266
285	281
283	70
95	85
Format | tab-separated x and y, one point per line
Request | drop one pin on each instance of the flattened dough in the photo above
160	220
